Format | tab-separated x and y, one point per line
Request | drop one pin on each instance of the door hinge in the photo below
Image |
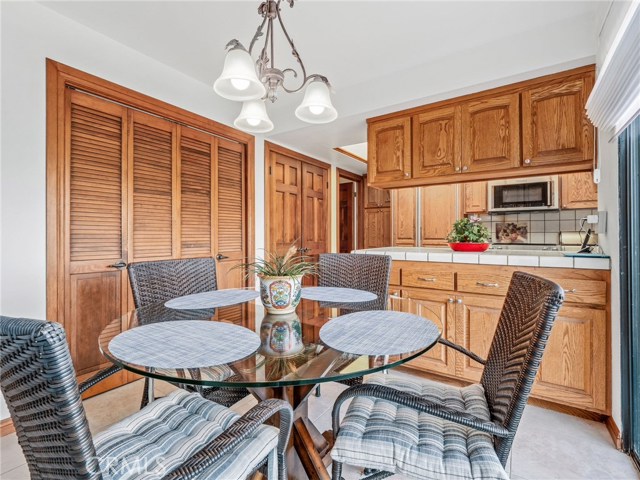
270	170
327	184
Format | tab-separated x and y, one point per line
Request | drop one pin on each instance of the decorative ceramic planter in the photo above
469	247
281	335
280	295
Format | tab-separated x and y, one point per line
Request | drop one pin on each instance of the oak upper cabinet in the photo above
491	134
555	128
577	190
376	197
474	197
404	216
390	150
377	227
436	142
439	209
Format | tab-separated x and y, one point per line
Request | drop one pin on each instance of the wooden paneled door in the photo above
94	200
297	202
346	217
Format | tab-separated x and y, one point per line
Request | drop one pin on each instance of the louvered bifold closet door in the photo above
230	213
96	219
196	156
152	146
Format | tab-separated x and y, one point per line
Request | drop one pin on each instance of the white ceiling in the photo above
378	55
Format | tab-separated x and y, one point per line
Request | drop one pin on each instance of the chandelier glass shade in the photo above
251	82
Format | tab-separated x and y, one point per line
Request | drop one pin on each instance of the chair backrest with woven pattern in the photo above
162	280
39	385
527	316
362	272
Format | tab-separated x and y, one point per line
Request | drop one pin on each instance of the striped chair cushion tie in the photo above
379	434
163	435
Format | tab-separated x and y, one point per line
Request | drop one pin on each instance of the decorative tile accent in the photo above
523	260
491	259
592	263
556	262
465	257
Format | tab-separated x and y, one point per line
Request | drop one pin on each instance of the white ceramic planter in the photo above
280	295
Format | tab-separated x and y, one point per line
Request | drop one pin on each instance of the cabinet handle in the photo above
573	290
427	279
487	284
459	301
451	300
527	161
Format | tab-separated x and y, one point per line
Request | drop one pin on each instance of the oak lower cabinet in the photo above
575	368
438	307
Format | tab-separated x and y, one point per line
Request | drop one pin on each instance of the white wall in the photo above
30	33
608	193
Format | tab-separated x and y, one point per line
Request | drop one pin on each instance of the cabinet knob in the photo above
527	161
406	174
465	168
451	300
457	169
459	300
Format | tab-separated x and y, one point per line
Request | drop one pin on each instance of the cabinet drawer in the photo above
583	291
428	278
487	283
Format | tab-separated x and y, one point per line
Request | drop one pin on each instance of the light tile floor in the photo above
549	445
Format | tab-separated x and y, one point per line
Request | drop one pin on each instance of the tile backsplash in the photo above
543	227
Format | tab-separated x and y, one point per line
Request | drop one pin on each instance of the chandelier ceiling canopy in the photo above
244	80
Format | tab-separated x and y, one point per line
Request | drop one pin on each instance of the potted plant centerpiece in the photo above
280	279
469	235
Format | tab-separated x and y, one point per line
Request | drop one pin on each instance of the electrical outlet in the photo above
592	219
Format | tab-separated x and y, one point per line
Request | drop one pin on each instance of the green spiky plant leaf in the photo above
273	265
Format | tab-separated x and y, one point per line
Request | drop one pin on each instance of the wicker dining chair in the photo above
161	280
181	436
370	273
427	429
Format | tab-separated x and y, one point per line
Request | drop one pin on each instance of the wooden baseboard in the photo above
614	431
6	427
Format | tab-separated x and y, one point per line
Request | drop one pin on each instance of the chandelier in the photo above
252	83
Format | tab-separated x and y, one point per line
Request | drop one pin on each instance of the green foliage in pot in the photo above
469	230
273	265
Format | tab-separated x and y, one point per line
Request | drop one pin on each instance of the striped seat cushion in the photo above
162	436
379	434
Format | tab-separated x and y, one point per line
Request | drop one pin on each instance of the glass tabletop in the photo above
290	351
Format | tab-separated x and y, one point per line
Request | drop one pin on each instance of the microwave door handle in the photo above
549	194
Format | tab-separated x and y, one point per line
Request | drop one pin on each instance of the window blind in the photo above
615	99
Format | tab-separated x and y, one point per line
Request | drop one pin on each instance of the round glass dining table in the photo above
289	363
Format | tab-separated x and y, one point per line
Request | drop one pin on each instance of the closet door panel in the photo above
95	219
231	212
196	155
152	149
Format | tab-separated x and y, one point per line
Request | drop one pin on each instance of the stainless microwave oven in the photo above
523	194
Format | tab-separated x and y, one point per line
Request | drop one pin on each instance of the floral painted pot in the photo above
280	295
469	247
281	335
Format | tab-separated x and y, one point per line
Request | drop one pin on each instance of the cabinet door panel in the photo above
437	308
574	366
404	216
376	197
555	126
491	134
377	227
439	210
436	142
476	321
577	190
286	207
390	150
475	197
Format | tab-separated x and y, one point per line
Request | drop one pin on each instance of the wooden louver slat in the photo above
231	208
96	198
152	191
195	195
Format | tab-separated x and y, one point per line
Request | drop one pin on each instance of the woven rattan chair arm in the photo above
463	350
98	377
417	403
236	433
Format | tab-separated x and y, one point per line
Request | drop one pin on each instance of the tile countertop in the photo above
522	258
